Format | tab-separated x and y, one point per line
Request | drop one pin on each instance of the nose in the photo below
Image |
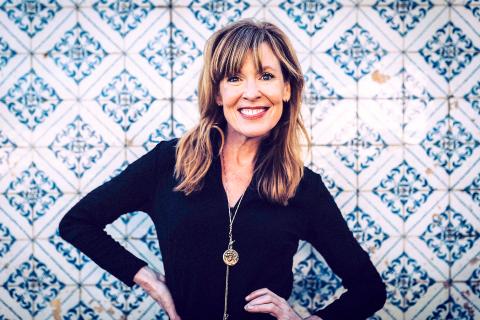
251	90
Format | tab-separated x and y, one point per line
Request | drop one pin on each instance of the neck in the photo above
240	150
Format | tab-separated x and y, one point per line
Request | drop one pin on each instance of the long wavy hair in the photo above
280	166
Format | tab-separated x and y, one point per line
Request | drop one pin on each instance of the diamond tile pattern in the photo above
88	86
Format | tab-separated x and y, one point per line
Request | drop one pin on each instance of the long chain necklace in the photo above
230	256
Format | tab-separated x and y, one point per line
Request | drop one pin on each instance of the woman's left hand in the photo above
265	301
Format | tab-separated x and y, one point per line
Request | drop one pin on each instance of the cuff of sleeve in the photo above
130	270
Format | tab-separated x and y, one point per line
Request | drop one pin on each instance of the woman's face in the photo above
252	101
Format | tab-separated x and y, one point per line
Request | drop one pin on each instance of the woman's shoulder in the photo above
164	153
166	146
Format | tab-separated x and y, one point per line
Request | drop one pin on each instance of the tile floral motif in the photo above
402	15
361	150
473	97
449	144
406	281
32	193
314	283
474	6
151	241
403	190
31	100
6	53
356	52
474	282
33	285
474	189
123	15
171	50
31	16
122	297
367	232
214	14
334	189
7	147
317	89
71	254
450	309
449	51
450	235
125	99
77	53
6	240
310	16
166	130
79	146
80	311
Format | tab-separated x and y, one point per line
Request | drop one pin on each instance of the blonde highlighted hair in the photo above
280	166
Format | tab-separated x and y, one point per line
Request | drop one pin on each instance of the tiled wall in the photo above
392	103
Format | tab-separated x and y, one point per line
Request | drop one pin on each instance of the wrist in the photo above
140	275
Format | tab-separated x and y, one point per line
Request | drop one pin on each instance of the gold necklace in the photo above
230	256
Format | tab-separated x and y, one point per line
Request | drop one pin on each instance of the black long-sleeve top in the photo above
193	234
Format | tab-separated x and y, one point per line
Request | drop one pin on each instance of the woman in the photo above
231	199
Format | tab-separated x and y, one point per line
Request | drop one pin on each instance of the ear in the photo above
286	92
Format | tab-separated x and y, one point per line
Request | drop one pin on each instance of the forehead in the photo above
260	58
263	56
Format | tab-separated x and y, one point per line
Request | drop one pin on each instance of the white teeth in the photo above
251	112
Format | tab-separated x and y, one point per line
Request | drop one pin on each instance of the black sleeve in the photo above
131	190
329	233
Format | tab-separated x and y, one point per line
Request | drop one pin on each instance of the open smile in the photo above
250	113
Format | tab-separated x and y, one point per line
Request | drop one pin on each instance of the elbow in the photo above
65	230
63	227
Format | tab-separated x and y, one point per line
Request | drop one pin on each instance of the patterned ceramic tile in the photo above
391	103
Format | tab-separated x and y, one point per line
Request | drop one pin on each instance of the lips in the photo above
251	113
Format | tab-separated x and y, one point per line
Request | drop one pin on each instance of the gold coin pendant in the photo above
230	257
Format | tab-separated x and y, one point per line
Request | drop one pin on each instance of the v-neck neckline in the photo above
251	192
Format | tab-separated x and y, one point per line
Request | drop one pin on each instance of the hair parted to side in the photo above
280	167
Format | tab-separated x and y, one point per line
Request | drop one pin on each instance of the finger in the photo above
270	308
257	293
169	307
164	298
266	298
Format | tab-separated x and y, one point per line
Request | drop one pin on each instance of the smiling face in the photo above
253	99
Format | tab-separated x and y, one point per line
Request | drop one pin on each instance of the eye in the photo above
267	76
232	78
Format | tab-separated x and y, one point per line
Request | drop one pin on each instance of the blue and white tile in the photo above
385	80
426	310
101	148
370	228
157	125
25	282
186	115
325	161
397	167
309	26
337	128
459	305
12	51
14	147
31	18
380	121
311	272
408	282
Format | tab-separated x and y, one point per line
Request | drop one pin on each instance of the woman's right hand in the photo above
154	283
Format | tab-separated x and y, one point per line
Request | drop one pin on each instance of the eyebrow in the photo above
267	67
